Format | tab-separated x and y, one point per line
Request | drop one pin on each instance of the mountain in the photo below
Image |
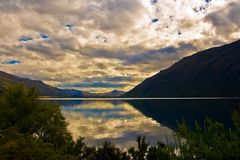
213	72
47	90
44	89
114	93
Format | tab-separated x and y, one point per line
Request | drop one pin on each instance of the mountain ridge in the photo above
50	91
44	89
212	72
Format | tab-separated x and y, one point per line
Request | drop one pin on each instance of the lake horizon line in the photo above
142	98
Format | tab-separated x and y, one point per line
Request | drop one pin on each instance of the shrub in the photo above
32	129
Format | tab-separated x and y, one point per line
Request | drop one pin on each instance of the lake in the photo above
121	121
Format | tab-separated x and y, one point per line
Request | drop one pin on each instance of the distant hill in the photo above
114	93
44	89
213	72
47	90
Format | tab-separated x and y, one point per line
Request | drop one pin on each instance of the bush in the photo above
211	142
20	108
17	146
32	129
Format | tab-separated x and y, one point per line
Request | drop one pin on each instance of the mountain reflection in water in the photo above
114	121
120	122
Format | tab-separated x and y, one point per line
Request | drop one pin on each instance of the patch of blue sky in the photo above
11	62
69	27
44	36
153	2
154	20
208	1
25	39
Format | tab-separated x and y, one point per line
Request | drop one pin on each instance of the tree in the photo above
20	108
211	142
17	146
32	129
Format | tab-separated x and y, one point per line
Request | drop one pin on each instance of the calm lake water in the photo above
120	122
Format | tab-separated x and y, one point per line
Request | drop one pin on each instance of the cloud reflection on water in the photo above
117	122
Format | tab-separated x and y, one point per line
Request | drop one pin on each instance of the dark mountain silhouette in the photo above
168	112
114	93
44	89
213	72
47	90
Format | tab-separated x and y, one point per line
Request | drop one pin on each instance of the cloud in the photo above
114	79
118	15
226	22
109	41
98	128
45	49
93	85
163	54
104	53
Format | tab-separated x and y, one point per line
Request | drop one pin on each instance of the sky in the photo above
102	45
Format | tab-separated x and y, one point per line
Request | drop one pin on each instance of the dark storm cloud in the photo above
46	50
109	79
142	56
103	53
118	79
163	54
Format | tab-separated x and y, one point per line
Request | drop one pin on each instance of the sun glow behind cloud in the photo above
85	44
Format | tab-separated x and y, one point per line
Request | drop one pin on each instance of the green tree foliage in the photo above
17	146
20	108
141	152
161	152
33	130
211	142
